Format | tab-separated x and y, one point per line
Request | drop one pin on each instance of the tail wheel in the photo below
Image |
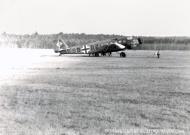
60	53
122	54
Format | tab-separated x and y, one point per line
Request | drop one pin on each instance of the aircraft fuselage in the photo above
103	47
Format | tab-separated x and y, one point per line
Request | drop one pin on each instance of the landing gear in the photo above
109	54
96	54
122	54
103	54
61	52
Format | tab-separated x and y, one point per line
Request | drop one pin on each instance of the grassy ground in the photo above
45	94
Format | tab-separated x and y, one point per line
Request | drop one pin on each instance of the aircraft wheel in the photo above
109	54
60	53
122	54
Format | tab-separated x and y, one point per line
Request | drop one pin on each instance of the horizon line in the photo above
22	34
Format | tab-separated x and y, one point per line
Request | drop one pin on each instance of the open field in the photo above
43	94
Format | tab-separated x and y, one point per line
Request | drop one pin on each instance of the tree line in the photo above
48	41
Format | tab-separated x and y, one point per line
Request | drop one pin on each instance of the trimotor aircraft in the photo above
101	47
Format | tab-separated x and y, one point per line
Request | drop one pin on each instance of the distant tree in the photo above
4	34
48	41
35	34
60	33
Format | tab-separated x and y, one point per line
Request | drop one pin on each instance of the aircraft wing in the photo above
114	47
111	47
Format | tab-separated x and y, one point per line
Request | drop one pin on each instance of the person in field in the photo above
158	54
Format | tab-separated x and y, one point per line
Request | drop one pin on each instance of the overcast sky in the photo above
126	17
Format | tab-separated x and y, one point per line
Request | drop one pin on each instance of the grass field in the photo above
44	94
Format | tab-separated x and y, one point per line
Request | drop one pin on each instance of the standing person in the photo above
158	54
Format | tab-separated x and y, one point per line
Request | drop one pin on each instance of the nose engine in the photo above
132	43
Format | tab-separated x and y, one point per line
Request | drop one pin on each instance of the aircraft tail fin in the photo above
62	45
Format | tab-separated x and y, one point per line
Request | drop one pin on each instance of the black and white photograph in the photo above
94	67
